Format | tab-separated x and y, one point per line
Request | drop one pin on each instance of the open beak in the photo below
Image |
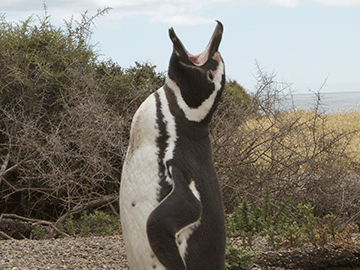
201	58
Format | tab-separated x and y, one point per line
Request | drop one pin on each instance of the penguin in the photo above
171	208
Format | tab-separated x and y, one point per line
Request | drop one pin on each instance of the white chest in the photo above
140	178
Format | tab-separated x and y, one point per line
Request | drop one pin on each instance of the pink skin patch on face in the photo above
212	73
216	57
201	59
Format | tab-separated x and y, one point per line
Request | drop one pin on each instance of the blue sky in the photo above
303	42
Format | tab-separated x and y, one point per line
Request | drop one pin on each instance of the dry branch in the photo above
4	235
81	207
36	222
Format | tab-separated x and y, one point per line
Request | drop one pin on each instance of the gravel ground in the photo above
108	253
69	253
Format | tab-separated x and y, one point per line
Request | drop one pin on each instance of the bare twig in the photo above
35	222
81	207
5	236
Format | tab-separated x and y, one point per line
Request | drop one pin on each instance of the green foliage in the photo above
128	88
69	223
39	58
307	222
237	258
245	223
104	223
280	225
242	223
96	223
331	222
61	230
38	233
237	93
85	228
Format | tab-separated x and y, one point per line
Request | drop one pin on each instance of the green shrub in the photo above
245	222
237	257
38	61
85	228
70	225
96	223
237	93
126	88
38	233
284	226
104	223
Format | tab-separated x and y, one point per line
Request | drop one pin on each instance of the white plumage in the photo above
139	183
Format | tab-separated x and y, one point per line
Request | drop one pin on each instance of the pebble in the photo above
68	253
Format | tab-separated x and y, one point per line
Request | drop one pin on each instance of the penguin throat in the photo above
200	59
193	114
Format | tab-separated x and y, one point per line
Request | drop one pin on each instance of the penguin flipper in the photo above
178	210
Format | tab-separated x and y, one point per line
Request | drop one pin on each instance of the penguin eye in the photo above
210	76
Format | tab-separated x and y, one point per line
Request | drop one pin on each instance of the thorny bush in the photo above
294	153
64	118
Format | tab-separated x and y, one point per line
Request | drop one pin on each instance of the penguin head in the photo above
197	80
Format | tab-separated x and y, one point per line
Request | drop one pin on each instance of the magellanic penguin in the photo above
170	201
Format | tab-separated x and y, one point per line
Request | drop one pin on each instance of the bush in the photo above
126	89
96	223
295	154
64	118
283	225
237	258
61	140
104	223
38	233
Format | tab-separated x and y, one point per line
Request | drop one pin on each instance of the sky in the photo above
306	43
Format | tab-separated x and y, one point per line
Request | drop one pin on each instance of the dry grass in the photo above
303	128
347	121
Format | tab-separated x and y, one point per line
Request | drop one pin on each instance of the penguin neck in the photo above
184	126
201	114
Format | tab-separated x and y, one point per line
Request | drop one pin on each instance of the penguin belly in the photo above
138	200
140	185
